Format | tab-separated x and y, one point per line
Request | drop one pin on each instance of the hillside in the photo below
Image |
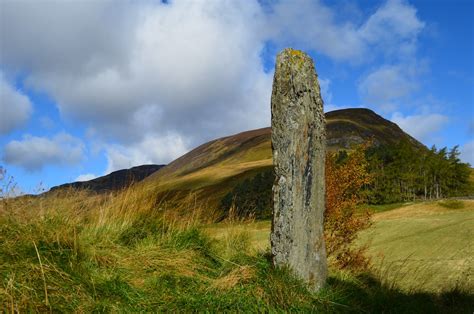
213	168
344	128
347	127
114	181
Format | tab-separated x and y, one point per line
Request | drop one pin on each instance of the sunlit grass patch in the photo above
424	247
125	253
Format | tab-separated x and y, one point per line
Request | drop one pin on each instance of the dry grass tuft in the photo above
239	275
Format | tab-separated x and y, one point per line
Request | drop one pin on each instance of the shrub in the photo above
345	178
451	204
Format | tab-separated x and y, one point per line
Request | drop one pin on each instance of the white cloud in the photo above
85	177
151	150
33	153
392	29
421	126
64	37
303	23
385	87
135	72
467	152
325	92
15	107
195	64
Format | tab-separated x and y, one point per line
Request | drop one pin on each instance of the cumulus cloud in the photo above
66	37
467	152
159	70
152	149
421	126
386	86
85	177
132	71
15	107
392	28
33	153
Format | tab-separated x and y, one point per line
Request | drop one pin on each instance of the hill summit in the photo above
347	127
219	164
214	168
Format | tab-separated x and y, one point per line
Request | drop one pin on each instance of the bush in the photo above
345	178
451	204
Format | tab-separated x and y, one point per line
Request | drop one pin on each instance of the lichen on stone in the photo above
298	141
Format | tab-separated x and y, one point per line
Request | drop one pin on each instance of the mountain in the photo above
347	127
114	181
214	168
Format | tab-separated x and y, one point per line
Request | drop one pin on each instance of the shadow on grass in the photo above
361	293
368	294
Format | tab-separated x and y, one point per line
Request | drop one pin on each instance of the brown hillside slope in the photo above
212	169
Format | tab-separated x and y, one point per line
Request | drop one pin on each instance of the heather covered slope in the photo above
344	129
214	168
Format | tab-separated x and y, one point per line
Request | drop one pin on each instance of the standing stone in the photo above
299	147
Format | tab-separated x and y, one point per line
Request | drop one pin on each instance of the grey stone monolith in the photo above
299	147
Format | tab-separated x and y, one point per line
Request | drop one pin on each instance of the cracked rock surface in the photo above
298	145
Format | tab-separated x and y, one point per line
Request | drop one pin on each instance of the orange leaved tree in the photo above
346	175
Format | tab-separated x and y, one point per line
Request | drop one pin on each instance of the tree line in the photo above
404	172
401	172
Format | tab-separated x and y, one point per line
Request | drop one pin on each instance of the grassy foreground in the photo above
77	253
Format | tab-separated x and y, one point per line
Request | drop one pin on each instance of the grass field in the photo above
417	247
81	253
424	246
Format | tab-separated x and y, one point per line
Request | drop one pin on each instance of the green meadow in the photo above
118	253
424	247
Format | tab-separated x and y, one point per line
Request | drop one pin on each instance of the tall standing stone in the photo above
299	147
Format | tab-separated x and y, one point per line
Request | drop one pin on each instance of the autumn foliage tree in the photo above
346	175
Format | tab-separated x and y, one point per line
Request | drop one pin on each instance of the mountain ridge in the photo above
344	128
229	159
212	169
113	181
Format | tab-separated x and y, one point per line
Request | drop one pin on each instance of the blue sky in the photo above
88	87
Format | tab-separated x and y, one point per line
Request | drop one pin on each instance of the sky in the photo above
89	87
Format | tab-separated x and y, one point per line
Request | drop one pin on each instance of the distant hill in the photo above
114	181
214	168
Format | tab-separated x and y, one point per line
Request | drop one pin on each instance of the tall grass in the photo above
72	251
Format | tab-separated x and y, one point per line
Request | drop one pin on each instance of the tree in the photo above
344	182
